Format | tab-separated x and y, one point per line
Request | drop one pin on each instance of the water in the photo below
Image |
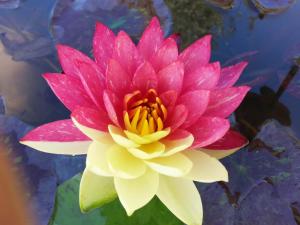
270	41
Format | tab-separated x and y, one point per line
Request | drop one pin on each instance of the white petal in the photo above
95	191
123	164
135	193
149	138
175	165
63	148
174	146
148	151
205	168
182	198
96	158
120	138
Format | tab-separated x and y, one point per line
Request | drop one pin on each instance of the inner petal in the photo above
144	113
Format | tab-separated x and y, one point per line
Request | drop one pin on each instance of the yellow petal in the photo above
119	137
148	151
205	168
123	164
90	132
96	158
182	198
174	146
95	191
149	138
63	148
135	193
176	165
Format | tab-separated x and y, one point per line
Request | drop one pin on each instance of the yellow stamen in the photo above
160	124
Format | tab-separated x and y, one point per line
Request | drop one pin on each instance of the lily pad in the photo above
272	6
67	210
73	22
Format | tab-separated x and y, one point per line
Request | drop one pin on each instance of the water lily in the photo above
150	119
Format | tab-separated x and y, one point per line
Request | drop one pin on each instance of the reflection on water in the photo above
271	44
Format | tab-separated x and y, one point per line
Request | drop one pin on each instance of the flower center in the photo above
144	114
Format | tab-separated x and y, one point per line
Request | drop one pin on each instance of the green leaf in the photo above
95	191
67	210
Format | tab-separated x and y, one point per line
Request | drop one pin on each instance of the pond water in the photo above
266	33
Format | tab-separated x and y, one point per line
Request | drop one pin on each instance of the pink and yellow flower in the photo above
150	119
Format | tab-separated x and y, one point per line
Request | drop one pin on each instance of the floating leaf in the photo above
67	210
272	6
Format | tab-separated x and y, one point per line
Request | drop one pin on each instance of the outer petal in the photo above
123	164
182	199
176	165
223	102
59	137
205	168
196	103
207	130
103	44
69	90
144	77
135	193
228	144
68	57
151	39
148	151
95	191
126	53
165	55
93	81
197	54
171	77
229	75
96	158
205	77
174	146
117	79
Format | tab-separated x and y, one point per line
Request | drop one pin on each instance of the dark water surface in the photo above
266	33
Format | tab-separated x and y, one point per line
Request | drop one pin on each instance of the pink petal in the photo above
126	53
93	81
117	79
58	131
69	90
169	98
197	54
208	130
165	55
178	134
103	44
231	140
196	103
223	102
144	77
171	77
204	77
95	119
68	57
176	37
151	39
177	117
229	75
113	106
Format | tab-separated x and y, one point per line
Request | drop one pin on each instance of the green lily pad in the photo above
67	210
